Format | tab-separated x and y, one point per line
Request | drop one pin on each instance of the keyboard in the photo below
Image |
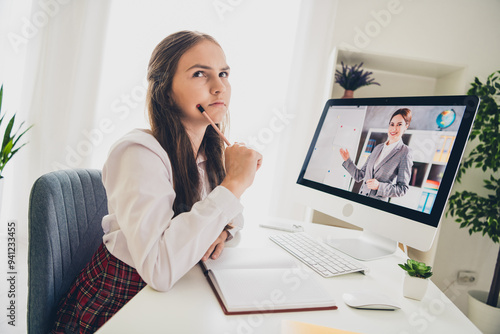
321	258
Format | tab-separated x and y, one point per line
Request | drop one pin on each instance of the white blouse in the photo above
139	229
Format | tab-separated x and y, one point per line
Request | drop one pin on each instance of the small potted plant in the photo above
352	78
416	279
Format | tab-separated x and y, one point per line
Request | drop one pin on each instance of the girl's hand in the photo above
216	248
344	154
372	184
241	164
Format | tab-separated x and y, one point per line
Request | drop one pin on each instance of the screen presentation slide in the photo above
341	129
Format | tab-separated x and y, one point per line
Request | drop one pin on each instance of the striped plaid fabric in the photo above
100	290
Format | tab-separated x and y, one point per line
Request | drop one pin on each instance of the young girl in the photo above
173	191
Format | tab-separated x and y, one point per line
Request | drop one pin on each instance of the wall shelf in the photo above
401	76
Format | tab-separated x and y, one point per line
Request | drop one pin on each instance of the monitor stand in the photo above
368	246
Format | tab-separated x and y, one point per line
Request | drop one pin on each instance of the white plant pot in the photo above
415	287
485	317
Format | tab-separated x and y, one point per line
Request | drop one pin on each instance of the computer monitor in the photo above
414	178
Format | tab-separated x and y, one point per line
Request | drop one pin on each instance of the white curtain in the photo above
307	93
63	82
61	43
50	68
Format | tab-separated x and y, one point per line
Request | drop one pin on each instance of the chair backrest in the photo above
65	212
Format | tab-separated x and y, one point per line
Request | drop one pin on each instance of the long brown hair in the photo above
405	113
166	125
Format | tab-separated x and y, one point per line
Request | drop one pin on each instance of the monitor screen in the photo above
397	156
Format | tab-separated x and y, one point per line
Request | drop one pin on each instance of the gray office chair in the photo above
65	212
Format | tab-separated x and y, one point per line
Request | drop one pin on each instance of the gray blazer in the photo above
397	165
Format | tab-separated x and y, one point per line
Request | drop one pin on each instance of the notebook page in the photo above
270	289
237	258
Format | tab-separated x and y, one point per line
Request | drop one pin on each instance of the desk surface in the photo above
191	307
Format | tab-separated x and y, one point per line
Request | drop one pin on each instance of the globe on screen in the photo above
446	118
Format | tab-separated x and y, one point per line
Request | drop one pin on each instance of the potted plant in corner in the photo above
416	279
352	78
481	212
10	142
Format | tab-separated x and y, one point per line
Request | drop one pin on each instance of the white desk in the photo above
191	307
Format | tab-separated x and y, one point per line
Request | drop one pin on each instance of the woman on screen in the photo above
389	161
173	191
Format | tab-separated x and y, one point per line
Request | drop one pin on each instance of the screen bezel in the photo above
432	219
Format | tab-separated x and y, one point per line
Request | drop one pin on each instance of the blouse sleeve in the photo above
140	229
237	223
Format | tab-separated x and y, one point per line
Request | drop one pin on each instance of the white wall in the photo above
446	31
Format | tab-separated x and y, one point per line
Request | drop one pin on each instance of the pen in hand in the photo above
216	128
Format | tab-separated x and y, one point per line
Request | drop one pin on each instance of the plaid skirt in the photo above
99	291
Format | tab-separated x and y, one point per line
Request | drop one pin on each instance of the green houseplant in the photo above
416	279
481	213
352	78
10	142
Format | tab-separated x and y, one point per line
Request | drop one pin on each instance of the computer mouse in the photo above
370	301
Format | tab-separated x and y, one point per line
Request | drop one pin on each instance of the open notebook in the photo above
261	280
